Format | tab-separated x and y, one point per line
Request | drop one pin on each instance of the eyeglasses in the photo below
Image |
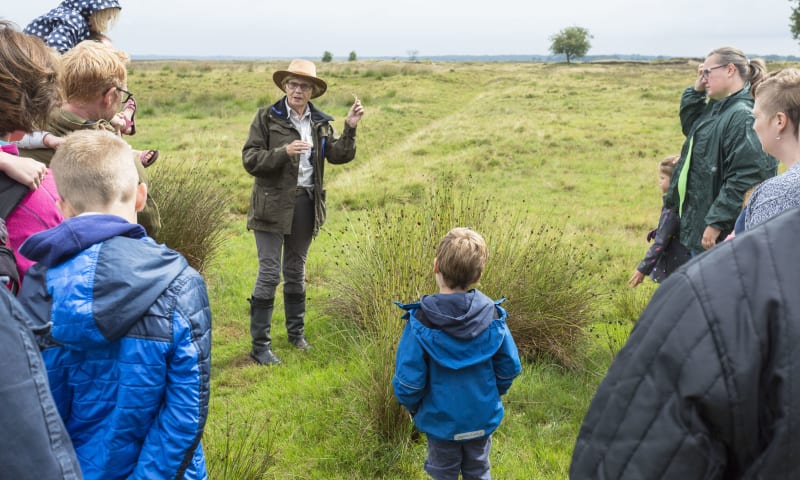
303	87
707	71
128	95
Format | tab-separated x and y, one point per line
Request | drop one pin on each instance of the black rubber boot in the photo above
260	323
294	305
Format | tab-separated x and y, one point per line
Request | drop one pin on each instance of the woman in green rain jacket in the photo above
721	155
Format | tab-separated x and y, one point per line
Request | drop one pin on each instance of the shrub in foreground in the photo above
549	289
389	258
241	449
194	210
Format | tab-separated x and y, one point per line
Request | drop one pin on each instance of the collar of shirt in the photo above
294	117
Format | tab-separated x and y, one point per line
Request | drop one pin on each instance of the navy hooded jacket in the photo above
68	24
455	359
129	355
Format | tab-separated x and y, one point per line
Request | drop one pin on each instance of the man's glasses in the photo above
128	95
707	71
303	87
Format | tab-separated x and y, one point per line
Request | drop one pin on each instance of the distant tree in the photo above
327	57
795	19
412	55
353	57
572	42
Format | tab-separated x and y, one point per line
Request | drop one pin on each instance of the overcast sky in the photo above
307	28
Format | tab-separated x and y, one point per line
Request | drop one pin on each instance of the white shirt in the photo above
305	171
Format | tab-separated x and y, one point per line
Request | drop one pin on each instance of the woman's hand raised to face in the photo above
699	83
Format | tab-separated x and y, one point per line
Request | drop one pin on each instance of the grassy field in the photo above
575	146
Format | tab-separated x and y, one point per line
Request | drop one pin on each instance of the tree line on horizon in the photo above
574	42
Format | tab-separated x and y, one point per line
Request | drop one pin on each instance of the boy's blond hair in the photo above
667	166
461	256
93	170
90	69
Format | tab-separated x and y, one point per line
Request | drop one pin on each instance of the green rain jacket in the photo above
726	161
275	172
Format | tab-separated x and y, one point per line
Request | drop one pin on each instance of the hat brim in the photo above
320	87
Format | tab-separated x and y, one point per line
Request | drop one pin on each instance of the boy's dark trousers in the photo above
446	459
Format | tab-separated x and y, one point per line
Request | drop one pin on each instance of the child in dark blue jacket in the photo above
455	359
666	253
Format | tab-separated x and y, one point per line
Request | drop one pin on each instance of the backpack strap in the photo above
11	194
8	263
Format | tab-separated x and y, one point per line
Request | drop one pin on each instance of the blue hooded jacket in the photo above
128	358
455	359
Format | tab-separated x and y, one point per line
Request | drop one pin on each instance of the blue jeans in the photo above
446	459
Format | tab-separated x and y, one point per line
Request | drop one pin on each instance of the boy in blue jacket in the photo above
455	359
128	356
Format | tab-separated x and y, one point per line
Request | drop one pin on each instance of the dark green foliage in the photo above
794	18
572	42
327	57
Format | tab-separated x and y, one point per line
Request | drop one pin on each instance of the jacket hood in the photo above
456	338
58	244
88	7
460	315
103	274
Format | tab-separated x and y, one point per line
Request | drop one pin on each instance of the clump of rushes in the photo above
389	257
551	299
243	448
194	208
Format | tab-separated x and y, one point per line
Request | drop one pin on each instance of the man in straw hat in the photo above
285	153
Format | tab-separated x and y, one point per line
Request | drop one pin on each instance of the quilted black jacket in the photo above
708	384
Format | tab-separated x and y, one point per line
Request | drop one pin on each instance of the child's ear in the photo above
435	265
141	196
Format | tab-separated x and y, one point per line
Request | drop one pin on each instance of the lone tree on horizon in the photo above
794	26
571	41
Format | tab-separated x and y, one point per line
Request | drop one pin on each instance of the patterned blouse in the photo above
774	196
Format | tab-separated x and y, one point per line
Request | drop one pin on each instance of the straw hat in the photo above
303	69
